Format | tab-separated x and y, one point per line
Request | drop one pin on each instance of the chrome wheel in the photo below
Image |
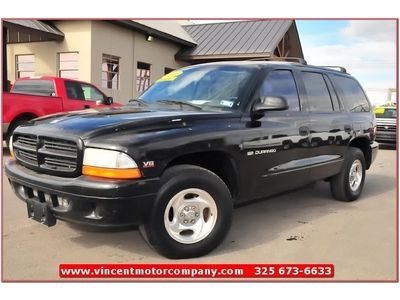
190	216
355	175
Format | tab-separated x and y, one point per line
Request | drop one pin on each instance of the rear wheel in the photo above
192	213
348	184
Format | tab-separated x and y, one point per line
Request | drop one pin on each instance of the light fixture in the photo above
149	38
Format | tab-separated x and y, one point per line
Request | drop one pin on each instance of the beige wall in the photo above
92	39
131	47
159	54
77	38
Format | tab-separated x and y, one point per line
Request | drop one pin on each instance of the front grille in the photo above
46	154
383	128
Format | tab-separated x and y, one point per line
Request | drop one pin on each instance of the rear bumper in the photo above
91	201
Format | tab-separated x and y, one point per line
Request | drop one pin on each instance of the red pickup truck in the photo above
30	98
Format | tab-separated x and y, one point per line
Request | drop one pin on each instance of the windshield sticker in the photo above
227	103
170	76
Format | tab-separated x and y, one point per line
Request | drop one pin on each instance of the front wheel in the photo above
348	184
192	213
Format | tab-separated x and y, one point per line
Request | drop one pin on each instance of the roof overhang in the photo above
152	31
26	31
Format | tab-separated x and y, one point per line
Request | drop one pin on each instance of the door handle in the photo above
304	131
86	106
347	128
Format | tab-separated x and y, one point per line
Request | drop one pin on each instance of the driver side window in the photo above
281	83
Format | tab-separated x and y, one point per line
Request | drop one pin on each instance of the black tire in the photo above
177	179
340	184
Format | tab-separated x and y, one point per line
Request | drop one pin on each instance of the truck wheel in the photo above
348	184
11	130
192	213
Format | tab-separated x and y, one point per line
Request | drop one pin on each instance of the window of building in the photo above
318	96
351	93
25	65
82	91
142	76
168	70
110	72
281	83
68	65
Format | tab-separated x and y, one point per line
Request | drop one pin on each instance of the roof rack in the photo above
288	59
338	68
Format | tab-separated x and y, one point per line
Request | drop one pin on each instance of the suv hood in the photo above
93	122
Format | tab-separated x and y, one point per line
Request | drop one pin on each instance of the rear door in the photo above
275	148
81	96
330	125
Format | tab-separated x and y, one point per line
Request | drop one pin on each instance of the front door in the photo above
81	96
276	147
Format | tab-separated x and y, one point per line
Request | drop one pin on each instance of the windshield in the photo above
389	113
202	86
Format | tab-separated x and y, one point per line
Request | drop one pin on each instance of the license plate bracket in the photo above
40	212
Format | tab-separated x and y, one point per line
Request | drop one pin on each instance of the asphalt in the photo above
303	226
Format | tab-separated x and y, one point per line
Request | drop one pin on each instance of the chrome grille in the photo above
44	153
389	128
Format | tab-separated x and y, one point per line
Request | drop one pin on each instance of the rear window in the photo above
34	87
319	99
387	113
351	93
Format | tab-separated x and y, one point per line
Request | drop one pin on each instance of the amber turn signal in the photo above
111	173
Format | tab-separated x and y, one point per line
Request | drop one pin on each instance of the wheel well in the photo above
364	145
21	117
217	162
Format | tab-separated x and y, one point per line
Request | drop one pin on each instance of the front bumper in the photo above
374	151
91	201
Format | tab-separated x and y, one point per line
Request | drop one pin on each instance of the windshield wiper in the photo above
138	101
181	103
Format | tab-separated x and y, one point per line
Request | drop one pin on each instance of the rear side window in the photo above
319	99
352	95
34	87
281	83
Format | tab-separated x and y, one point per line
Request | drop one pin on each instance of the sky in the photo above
366	48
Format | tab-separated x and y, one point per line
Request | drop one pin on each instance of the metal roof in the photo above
241	39
22	31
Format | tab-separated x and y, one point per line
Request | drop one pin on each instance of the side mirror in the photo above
271	103
109	101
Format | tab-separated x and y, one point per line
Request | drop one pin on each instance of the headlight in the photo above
109	164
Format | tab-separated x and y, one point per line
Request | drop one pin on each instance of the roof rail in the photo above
288	59
338	68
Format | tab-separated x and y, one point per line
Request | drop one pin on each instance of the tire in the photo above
192	213
345	187
11	129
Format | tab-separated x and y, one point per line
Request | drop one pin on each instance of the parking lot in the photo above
304	226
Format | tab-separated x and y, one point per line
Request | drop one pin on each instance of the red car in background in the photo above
30	98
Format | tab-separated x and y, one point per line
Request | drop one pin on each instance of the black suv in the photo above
199	141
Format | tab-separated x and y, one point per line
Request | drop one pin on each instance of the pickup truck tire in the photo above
348	184
192	213
11	129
